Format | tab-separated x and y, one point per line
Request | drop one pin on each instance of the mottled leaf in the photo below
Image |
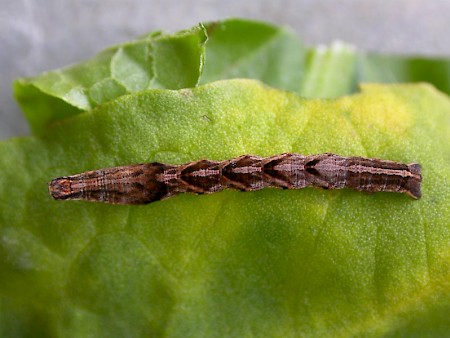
270	263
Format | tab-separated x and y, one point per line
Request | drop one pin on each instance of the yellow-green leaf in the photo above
270	263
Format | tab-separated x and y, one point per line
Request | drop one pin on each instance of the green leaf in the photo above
233	48
270	263
153	61
392	69
238	48
330	71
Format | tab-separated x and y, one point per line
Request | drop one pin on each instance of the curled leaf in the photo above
153	61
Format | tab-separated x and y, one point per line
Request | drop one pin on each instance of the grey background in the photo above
40	35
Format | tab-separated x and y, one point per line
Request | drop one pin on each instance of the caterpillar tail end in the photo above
414	183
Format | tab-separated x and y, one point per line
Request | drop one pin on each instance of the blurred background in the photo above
41	35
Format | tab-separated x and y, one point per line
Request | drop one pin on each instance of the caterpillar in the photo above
150	182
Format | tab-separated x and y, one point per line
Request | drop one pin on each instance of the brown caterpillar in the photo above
145	183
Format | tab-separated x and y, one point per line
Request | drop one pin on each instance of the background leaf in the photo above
266	263
392	69
153	61
233	48
330	71
238	48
